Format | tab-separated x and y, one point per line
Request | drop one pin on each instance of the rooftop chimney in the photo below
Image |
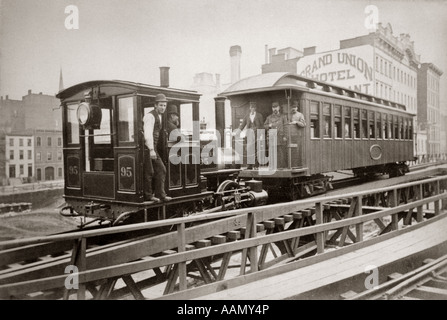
217	81
310	50
266	54
235	54
61	81
164	77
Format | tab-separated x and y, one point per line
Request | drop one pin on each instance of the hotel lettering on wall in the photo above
351	68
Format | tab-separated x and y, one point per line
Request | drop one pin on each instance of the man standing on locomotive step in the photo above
253	121
154	168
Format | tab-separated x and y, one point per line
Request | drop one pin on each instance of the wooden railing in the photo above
420	201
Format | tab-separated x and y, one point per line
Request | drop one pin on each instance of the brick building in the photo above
37	117
19	152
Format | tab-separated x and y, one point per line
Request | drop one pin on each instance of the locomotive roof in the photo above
273	81
140	88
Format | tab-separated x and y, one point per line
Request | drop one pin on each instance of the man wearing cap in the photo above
278	121
155	170
253	121
173	119
296	116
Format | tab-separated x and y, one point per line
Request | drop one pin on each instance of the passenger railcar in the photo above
345	130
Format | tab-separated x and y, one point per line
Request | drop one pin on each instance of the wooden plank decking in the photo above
344	266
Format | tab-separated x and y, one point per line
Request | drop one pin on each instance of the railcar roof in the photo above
138	87
285	80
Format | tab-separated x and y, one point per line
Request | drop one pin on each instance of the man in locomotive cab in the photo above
278	121
253	120
154	169
173	120
296	116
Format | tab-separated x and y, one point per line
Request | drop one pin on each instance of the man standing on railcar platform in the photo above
253	121
296	116
154	168
278	121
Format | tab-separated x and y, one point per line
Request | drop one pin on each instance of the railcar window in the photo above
410	129
364	124
385	127
390	126
72	124
327	133
371	124
314	120
355	112
378	126
337	122
402	125
396	127
126	120
102	135
347	115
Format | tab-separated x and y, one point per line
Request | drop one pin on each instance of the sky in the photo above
131	39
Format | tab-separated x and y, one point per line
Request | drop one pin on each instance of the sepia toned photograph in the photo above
235	152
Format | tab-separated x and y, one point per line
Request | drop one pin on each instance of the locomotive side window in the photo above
348	125
126	120
337	121
314	120
103	134
186	125
72	124
327	133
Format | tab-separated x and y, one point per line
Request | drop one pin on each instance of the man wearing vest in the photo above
154	168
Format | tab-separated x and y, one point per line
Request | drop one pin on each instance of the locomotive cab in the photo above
104	149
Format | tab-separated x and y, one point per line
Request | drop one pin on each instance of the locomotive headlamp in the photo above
89	115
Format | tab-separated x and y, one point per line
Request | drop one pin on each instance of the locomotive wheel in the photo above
229	189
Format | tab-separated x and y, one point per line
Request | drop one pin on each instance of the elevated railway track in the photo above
428	282
202	254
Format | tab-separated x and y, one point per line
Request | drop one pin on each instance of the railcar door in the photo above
127	150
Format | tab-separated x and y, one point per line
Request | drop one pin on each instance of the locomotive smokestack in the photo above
235	54
219	107
164	77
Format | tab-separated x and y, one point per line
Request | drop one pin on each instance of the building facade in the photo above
48	153
28	119
19	157
379	64
429	108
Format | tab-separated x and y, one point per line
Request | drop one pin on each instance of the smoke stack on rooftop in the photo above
164	77
235	55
